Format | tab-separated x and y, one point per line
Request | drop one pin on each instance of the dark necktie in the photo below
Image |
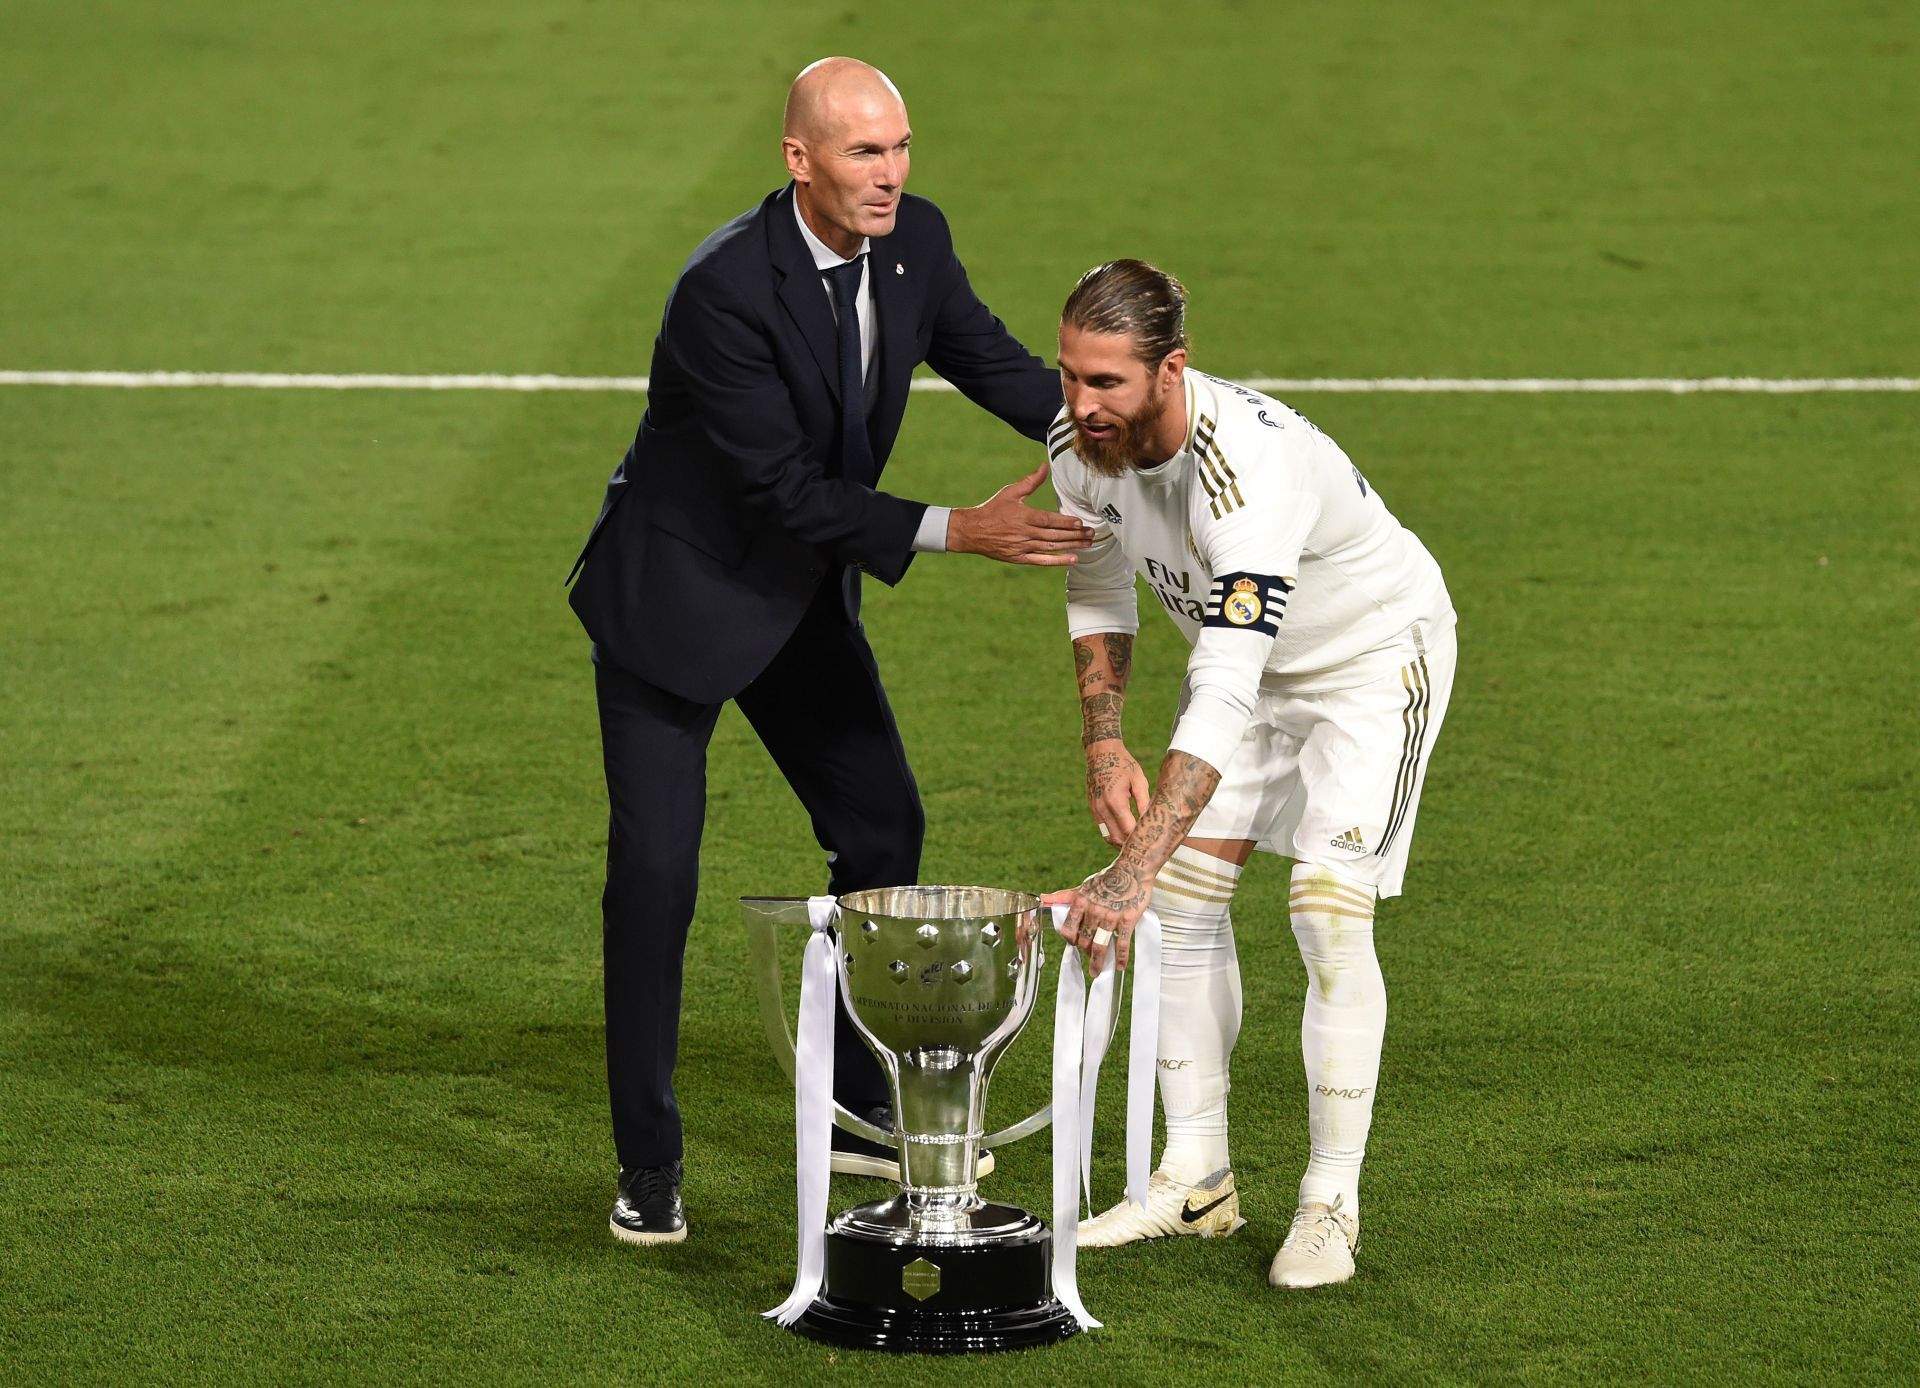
856	454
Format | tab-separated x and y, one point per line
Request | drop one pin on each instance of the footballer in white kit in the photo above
1323	657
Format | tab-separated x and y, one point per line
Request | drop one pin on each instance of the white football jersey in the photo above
1265	544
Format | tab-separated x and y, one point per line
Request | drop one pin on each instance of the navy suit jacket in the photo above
729	510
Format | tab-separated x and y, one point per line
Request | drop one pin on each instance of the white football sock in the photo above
1341	1028
1199	1008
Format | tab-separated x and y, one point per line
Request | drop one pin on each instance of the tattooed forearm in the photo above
1101	666
1103	662
1186	784
1089	668
1100	718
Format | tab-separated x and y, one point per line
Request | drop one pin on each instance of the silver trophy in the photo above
939	981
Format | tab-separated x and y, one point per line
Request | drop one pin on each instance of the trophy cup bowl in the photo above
939	981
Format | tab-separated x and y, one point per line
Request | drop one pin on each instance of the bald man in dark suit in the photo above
726	562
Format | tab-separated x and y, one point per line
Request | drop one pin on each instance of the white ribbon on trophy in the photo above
1083	1020
1143	1045
813	1108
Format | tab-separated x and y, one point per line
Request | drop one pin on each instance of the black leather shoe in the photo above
648	1208
854	1155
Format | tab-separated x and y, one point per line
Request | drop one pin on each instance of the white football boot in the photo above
1319	1248
1209	1208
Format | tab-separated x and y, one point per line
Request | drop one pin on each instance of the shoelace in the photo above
654	1182
1311	1230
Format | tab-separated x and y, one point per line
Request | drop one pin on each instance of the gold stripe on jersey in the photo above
1232	485
1203	465
1203	436
1201	433
1054	450
1233	478
1222	483
1207	481
1064	426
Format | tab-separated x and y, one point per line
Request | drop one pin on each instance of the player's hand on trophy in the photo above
1102	912
1007	528
1117	789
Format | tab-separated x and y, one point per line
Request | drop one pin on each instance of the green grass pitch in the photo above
300	1065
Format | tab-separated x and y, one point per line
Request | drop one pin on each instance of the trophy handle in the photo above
764	917
763	947
1026	1127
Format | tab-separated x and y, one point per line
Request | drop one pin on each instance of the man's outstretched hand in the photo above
1006	528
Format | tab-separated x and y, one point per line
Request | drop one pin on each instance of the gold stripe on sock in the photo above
1358	895
1333	898
1329	882
1318	901
1224	879
1353	896
1330	914
1182	892
1183	882
1188	884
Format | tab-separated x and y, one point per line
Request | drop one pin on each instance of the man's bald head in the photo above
828	92
846	144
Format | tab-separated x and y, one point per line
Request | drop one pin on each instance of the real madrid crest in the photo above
1242	606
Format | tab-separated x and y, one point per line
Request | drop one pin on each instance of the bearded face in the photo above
1114	445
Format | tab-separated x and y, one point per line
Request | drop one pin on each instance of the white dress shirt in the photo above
932	536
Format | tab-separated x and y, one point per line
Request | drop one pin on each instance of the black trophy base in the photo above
855	1326
911	1298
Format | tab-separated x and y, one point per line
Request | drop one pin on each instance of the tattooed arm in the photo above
1116	786
1112	900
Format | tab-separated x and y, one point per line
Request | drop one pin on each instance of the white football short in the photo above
1333	776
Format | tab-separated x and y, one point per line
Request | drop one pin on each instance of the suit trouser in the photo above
821	712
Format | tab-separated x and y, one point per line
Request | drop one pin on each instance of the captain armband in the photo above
1247	602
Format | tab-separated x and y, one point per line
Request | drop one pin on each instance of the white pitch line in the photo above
1594	385
1305	385
264	380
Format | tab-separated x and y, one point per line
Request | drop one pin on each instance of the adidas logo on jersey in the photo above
1110	514
1351	841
